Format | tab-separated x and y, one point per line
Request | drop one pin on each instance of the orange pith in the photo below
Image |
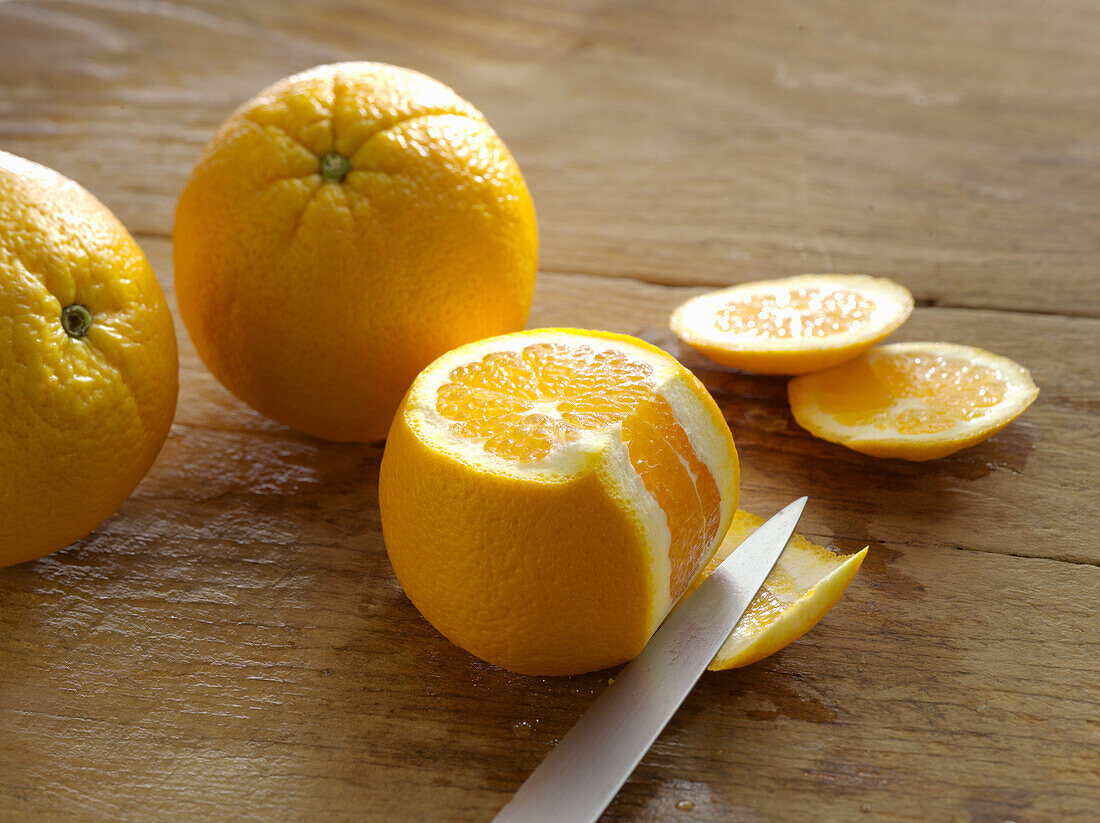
799	313
522	405
914	393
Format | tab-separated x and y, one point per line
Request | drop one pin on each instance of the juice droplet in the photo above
522	729
685	805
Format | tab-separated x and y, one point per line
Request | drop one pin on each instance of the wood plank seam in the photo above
921	302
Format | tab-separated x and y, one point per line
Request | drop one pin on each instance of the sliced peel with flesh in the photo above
805	584
916	401
793	325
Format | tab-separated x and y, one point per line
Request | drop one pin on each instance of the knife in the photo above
584	772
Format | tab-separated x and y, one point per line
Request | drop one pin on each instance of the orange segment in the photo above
794	325
683	486
918	401
548	496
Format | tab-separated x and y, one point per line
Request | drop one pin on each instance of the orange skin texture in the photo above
569	619
317	302
81	419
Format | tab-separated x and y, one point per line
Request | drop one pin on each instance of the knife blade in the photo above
588	766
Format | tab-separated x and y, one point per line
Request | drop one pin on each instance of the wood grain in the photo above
953	146
232	645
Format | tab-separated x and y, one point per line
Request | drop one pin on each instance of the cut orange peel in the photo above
805	584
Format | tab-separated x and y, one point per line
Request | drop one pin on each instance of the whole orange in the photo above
343	229
88	368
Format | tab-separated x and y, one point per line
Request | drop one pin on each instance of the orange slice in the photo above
807	581
917	401
548	496
795	325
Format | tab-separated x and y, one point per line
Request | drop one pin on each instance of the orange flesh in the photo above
522	405
912	393
798	313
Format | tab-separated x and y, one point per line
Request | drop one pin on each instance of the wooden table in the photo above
232	645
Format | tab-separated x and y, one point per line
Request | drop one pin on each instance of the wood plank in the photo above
234	642
950	145
206	665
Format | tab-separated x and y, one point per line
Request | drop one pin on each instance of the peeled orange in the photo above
795	325
917	401
343	229
548	496
88	368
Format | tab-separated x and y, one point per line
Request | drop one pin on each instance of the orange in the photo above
88	363
343	229
917	401
806	582
795	325
548	496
